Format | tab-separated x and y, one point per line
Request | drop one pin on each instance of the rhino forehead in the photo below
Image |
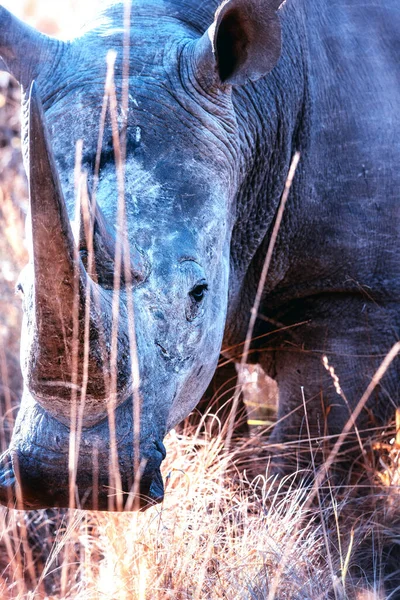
169	204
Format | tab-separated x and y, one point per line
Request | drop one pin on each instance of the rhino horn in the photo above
54	253
24	52
61	289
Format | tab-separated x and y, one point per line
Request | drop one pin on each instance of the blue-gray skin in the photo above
216	110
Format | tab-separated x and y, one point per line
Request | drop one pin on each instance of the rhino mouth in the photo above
35	472
24	489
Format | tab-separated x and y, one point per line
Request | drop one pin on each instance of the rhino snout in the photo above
35	472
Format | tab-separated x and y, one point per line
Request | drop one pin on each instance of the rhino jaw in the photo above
37	472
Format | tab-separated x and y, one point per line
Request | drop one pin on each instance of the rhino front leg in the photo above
354	335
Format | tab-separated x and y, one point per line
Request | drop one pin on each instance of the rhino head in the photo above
131	215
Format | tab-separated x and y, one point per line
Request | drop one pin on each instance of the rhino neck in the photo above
274	122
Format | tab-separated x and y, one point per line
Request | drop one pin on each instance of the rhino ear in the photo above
24	52
245	39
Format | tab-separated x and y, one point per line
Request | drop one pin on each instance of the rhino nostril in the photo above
161	448
7	477
7	480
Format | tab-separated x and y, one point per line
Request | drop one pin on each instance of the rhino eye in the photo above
198	292
195	308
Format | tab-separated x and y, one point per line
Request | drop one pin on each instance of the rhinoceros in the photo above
155	177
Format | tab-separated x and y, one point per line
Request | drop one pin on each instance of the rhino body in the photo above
219	100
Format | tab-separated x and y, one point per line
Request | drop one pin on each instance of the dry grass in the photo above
216	535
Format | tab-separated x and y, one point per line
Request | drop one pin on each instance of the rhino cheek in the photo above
190	391
206	352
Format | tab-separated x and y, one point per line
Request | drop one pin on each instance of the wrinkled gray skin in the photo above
210	140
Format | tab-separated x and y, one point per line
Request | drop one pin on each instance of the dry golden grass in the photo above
216	535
